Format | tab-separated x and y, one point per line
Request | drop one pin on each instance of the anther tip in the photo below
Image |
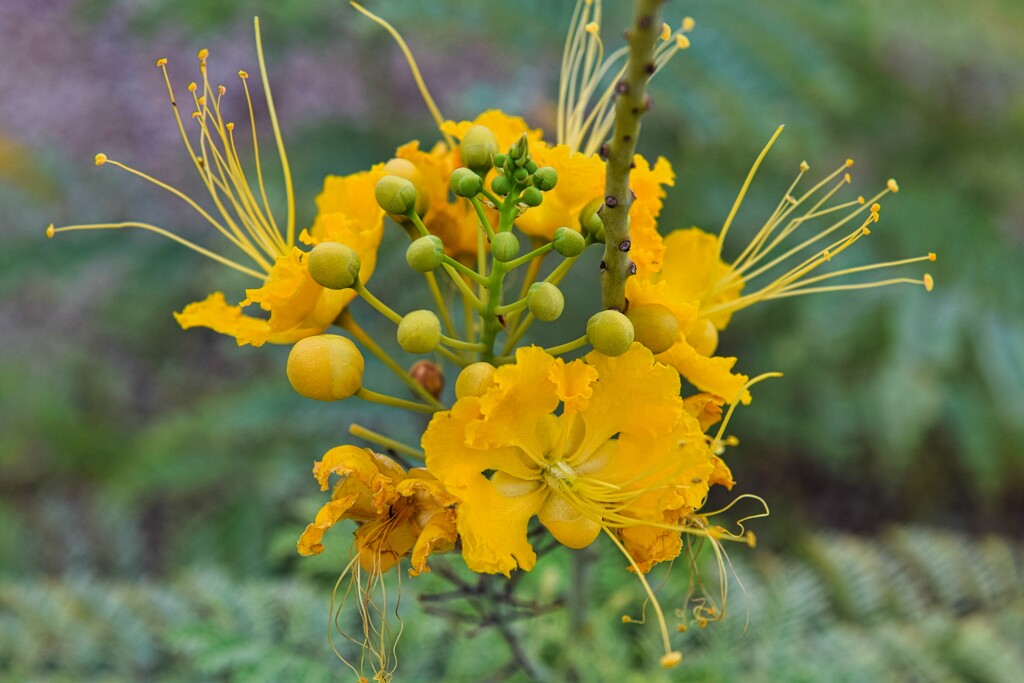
50	231
192	86
162	61
688	23
849	163
804	166
626	619
893	187
203	54
682	42
876	207
100	159
592	27
847	178
230	125
929	283
671	659
243	74
932	256
666	31
861	200
681	627
865	231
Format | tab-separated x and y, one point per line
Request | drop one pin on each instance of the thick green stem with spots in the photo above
631	104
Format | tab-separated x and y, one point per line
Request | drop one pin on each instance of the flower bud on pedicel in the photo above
501	185
425	254
403	168
474	380
478	147
429	376
532	196
465	183
545	301
610	332
545	178
505	246
395	194
325	367
654	326
568	242
334	265
590	221
520	175
703	338
419	332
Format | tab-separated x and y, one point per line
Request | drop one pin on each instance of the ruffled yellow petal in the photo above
384	541
329	515
376	475
566	524
438	536
648	184
691	266
707	408
506	128
351	196
573	383
713	374
721	475
647	249
580	180
649	545
217	314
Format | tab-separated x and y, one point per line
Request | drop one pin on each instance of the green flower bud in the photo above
465	183
403	168
505	246
530	166
654	326
545	301
520	174
520	150
395	194
501	185
545	178
425	254
703	338
478	147
474	380
590	221
568	242
499	160
610	332
333	265
532	196
325	367
419	332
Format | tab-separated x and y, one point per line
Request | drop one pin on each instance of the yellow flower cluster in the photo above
612	444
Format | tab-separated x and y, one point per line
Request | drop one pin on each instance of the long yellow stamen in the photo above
285	169
411	61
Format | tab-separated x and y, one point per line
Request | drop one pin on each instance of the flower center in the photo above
559	476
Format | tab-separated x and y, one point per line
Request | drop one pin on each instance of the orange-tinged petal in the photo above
438	536
707	408
215	313
377	473
649	545
329	515
721	475
384	541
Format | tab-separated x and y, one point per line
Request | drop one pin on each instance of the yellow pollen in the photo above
932	256
192	86
893	187
196	114
682	42
100	159
876	207
847	178
671	659
804	167
681	628
688	23
865	230
221	89
230	126
203	54
626	619
666	31
751	539
162	61
827	254
243	74
849	162
592	27
929	283
202	101
50	231
861	200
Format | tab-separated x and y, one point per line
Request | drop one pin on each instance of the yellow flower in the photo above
400	513
243	216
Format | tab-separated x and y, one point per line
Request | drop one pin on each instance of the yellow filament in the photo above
256	152
285	169
411	61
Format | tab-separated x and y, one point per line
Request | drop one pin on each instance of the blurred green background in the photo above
153	481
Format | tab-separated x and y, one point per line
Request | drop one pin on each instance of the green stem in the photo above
465	270
554	278
346	322
418	222
381	307
484	223
394	402
467	293
381	440
568	346
446	317
459	344
631	104
536	253
512	307
461	362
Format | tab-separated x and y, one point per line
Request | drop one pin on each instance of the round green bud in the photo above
478	147
325	367
395	194
465	183
501	185
520	174
333	265
530	166
505	246
403	168
545	301
532	196
610	332
654	326
499	160
568	242
474	380
425	254
590	221
703	337
545	178
419	332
